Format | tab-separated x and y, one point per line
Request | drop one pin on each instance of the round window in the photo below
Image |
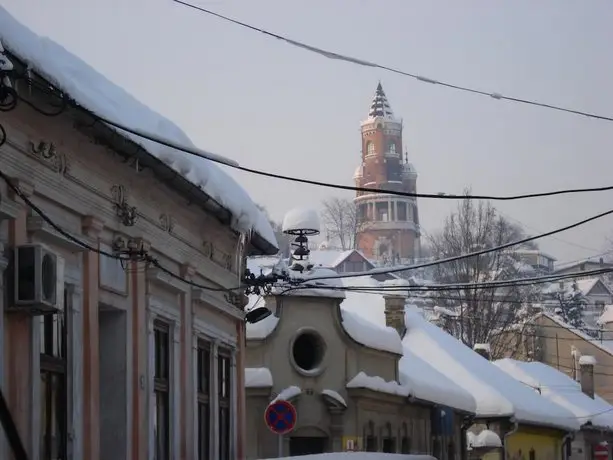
308	349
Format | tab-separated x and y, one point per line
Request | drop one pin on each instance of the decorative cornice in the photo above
9	209
92	226
203	297
167	222
157	276
47	153
127	214
41	230
25	187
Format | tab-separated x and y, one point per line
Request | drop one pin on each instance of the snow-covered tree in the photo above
571	305
482	314
340	219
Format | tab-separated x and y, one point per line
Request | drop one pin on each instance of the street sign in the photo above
280	417
601	451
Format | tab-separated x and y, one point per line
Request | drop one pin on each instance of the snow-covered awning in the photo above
258	377
378	384
99	95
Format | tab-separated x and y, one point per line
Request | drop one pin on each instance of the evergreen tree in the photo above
571	306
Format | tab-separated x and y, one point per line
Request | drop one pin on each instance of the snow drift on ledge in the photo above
96	93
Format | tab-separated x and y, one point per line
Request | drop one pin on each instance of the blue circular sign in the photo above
280	417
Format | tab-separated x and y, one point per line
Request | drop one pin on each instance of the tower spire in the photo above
380	106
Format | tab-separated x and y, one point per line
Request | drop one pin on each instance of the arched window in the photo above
405	443
370	148
392	148
370	438
388	440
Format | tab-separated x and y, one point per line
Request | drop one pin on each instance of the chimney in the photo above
586	374
394	312
483	349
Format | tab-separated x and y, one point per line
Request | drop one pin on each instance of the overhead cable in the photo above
219	159
365	63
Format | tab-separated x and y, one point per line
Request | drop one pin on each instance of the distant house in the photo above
537	259
594	290
583	266
595	414
551	341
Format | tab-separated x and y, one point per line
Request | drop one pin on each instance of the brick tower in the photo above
389	224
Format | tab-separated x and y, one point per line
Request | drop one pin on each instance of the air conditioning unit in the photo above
37	277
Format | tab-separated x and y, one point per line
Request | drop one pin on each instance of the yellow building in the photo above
531	442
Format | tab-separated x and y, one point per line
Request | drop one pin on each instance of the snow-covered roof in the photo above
99	95
428	384
380	106
370	334
375	383
560	389
607	315
495	392
258	377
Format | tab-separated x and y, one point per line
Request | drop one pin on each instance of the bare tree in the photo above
340	219
481	314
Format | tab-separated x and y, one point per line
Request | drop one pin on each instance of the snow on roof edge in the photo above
98	94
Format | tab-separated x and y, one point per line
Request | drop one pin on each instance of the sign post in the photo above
280	417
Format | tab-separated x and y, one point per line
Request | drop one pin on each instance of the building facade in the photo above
388	228
105	358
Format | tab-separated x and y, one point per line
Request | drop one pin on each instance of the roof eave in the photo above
258	246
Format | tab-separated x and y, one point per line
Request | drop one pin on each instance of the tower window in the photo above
392	148
402	211
370	148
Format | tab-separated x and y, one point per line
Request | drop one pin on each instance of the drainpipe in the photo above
512	431
568	437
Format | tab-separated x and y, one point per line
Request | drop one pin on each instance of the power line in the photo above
91	248
215	158
383	271
365	63
561	240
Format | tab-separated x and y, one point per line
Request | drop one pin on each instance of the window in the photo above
224	385
370	440
405	441
370	148
402	211
203	406
388	441
392	148
161	384
54	397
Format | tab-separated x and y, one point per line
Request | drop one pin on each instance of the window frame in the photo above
204	398
225	382
226	343
162	386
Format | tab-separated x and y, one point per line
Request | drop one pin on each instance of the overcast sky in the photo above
276	107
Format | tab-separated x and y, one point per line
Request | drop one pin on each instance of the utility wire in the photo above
215	158
91	248
365	63
383	271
